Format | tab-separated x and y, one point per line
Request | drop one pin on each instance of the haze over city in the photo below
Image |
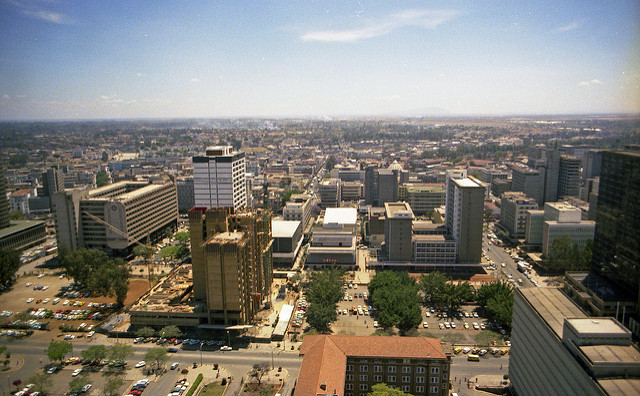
86	60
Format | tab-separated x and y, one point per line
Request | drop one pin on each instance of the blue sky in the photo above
146	59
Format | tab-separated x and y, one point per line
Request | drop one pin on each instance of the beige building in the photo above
140	211
513	212
398	231
298	208
423	198
562	219
231	262
464	217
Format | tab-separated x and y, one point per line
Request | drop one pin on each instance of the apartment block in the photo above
219	178
513	212
464	217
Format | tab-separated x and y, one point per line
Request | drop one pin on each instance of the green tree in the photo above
105	156
395	297
9	265
500	308
158	355
258	371
42	381
120	352
383	389
561	253
488	290
110	279
102	178
331	163
320	317
432	285
78	382
177	251
182	236
409	312
79	264
145	332
171	331
454	295
168	232
57	350
113	385
95	352
142	251
17	215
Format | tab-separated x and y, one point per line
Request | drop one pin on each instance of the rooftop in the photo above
599	354
591	326
340	216
398	210
19	225
552	306
467	183
284	228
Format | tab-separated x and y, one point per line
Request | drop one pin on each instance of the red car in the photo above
135	392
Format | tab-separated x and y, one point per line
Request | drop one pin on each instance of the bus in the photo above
522	267
473	358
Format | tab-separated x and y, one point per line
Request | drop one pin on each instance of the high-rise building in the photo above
4	202
186	198
298	208
52	181
464	217
564	220
387	186
219	179
329	193
616	252
231	262
529	181
490	174
592	164
398	231
141	211
569	176
513	212
422	197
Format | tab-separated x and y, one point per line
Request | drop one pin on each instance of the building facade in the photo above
513	212
329	193
423	198
219	179
463	217
569	176
398	231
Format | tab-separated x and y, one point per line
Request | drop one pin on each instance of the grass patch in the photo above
259	390
487	337
212	389
383	332
454	338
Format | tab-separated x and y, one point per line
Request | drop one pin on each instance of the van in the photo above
473	358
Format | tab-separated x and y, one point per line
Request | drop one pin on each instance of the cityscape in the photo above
263	219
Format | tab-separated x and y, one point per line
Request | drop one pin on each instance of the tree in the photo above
105	156
17	215
408	308
331	163
561	253
110	279
432	285
258	371
80	264
500	309
177	251
145	332
395	296
383	389
168	232
42	381
120	352
157	355
102	178
9	265
57	350
95	352
320	317
182	237
142	251
78	382
113	385
171	331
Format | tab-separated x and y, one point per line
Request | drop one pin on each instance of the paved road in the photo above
499	255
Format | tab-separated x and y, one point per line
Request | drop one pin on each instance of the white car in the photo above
425	325
40	276
140	364
65	302
226	348
76	372
55	301
86	388
46	300
28	284
466	350
90	334
174	366
30	299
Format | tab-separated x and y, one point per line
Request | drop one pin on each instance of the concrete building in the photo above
423	198
534	226
287	240
345	365
568	176
298	208
52	182
140	210
23	234
387	186
434	250
513	212
351	190
464	217
219	178
19	200
334	239
529	181
500	186
231	262
599	297
329	193
398	231
186	197
4	202
558	350
561	220
488	175
592	164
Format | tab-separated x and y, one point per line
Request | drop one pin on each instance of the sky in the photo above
83	59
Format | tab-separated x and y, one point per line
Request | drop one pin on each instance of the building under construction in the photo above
231	262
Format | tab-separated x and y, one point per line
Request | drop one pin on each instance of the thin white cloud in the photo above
195	80
584	84
589	83
39	10
426	19
141	74
572	26
596	82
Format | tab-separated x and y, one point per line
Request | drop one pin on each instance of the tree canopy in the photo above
102	178
57	350
157	355
395	297
325	290
383	389
565	255
9	265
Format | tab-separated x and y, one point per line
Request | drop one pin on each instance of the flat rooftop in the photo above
284	228
552	306
18	226
599	354
621	386
596	326
341	216
467	182
398	210
601	287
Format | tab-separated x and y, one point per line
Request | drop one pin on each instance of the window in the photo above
406	378
391	378
419	389
434	389
420	380
348	386
364	377
406	369
420	370
349	377
364	387
377	369
435	380
377	378
364	368
392	369
406	388
435	370
349	367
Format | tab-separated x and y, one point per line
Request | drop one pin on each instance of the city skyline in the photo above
77	60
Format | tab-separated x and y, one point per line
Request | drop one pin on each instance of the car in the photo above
140	364
76	372
55	301
453	325
447	325
482	326
174	366
441	326
428	314
475	314
52	370
466	350
65	302
28	284
40	276
375	323
30	299
86	388
90	334
425	325
482	352
172	350
46	300
475	326
135	392
226	348
466	325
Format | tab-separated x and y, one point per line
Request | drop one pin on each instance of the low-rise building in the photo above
287	240
334	238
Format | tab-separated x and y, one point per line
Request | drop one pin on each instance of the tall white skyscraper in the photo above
219	179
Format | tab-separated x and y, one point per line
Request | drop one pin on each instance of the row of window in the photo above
405	388
392	378
392	369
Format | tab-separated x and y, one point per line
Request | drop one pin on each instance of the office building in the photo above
387	186
186	198
464	217
500	186
513	212
298	208
351	190
558	350
345	365
371	186
4	202
616	255
423	198
398	231
564	220
231	262
329	193
592	164
52	182
568	176
488	175
381	185
219	179
287	240
333	240
533	228
134	211
529	181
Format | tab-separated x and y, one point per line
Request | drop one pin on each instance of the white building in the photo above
298	208
334	241
562	219
219	178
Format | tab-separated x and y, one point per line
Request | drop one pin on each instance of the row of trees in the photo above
93	269
171	331
565	255
395	297
325	290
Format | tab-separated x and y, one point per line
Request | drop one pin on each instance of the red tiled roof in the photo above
325	357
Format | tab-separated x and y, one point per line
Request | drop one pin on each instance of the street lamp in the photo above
202	343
